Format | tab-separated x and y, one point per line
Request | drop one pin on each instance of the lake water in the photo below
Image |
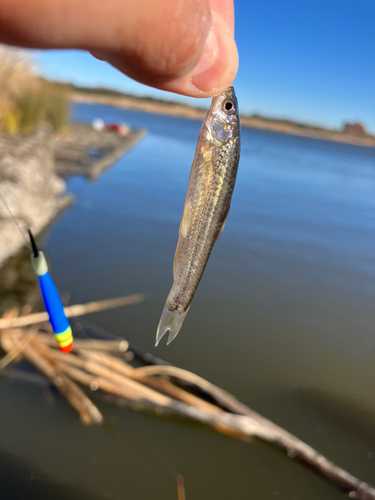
283	319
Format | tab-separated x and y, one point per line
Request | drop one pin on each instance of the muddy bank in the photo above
30	175
30	186
85	151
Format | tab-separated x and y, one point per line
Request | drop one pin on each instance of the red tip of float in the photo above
67	348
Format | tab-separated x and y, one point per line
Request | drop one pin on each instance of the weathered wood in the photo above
119	346
245	426
98	378
85	151
14	350
130	140
86	409
222	398
186	376
135	390
72	311
143	389
250	426
262	428
164	386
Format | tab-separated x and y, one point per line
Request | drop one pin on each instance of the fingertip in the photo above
164	42
218	65
215	70
198	56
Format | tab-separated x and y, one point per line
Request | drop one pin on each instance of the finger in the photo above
175	45
156	39
225	9
218	63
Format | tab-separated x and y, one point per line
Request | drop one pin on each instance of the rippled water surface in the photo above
283	318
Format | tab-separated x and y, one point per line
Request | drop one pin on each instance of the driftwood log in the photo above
102	365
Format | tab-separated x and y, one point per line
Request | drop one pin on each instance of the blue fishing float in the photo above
59	322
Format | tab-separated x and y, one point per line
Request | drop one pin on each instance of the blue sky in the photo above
309	60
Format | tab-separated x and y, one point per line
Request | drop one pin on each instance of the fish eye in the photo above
228	107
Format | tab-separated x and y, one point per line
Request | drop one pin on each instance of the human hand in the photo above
183	46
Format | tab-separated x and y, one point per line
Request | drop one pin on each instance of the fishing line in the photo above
15	221
24	237
78	326
27	240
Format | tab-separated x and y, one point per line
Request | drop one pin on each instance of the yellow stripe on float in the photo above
64	335
64	343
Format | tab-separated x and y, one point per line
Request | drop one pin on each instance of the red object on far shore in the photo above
121	128
117	127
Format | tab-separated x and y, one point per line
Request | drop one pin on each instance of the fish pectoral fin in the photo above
221	229
184	231
186	218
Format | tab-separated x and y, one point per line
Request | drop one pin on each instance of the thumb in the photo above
198	56
175	45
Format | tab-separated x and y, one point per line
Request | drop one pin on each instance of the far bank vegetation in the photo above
25	99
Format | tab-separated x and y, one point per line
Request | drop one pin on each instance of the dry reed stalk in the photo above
112	375
91	372
164	386
72	311
135	389
222	397
15	351
257	426
90	344
13	312
87	411
95	382
247	427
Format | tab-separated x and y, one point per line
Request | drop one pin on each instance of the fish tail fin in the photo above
170	321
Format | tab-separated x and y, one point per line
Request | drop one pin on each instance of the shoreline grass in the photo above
25	99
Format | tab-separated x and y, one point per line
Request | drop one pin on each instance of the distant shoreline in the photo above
185	111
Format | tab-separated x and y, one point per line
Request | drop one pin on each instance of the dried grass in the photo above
26	99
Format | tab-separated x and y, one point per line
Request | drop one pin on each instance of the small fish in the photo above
212	179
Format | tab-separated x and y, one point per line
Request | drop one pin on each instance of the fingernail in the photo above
217	67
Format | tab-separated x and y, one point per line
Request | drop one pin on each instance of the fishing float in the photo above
59	322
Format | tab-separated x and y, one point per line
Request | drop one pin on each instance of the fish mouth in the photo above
228	93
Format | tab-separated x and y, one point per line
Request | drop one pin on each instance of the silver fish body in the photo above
212	179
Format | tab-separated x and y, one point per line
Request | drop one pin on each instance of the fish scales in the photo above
210	189
201	232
